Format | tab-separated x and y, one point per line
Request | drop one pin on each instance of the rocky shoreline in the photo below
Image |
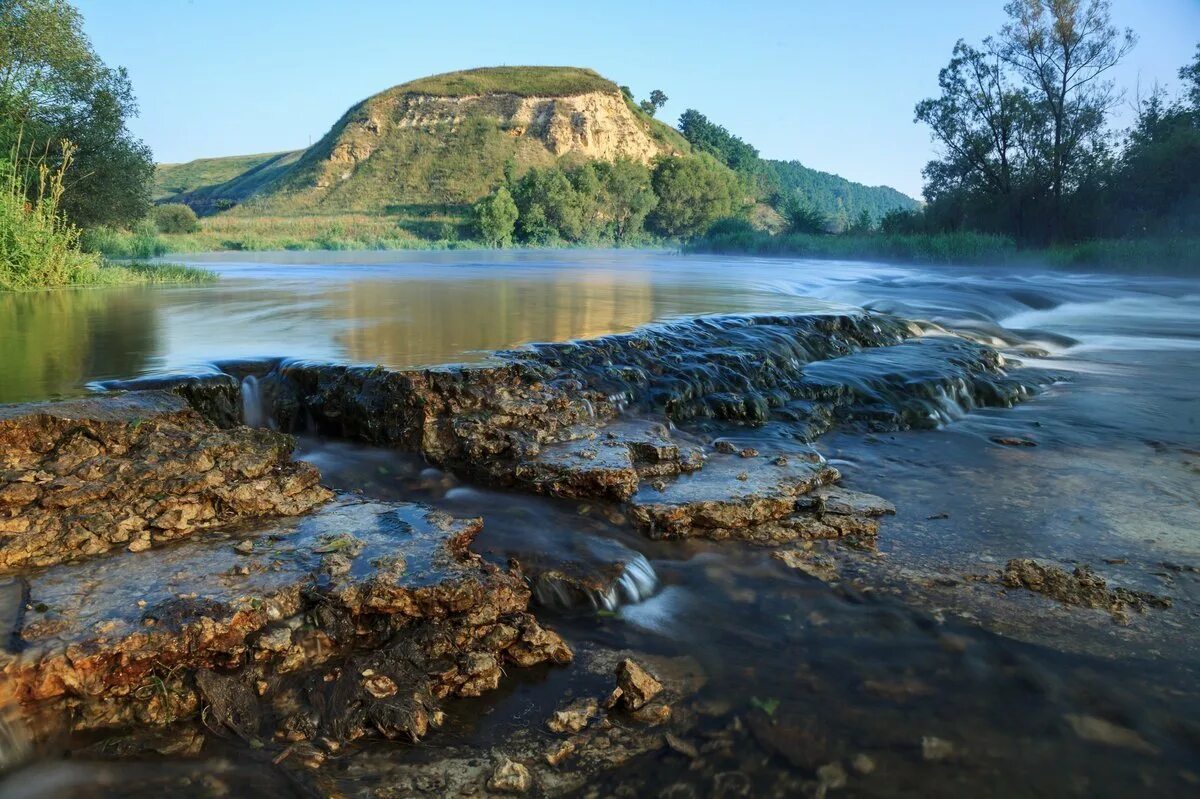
174	564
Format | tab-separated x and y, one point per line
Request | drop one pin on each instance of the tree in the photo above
803	218
1021	123
175	218
54	88
549	207
628	196
496	218
657	100
1157	178
693	192
1062	50
862	224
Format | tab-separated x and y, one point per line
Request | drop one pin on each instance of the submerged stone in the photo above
1081	587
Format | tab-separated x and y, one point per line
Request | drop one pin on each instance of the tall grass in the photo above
939	248
38	246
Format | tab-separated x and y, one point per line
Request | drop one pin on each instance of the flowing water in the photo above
916	660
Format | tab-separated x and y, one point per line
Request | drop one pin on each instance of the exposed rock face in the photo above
596	125
79	478
358	619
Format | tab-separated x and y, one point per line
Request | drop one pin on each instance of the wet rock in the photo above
574	717
510	777
830	777
714	503
1081	587
863	764
635	685
934	749
1097	730
208	636
82	477
822	567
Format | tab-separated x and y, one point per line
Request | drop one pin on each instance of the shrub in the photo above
496	218
175	218
804	218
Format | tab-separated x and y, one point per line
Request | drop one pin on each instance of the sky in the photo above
832	85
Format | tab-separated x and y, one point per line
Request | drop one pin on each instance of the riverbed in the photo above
913	670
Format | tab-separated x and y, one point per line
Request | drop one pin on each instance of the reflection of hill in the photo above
52	342
433	321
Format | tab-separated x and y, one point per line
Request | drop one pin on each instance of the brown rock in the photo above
636	685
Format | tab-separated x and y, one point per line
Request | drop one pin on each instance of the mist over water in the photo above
912	643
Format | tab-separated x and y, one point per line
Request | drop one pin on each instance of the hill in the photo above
840	199
205	182
441	140
439	143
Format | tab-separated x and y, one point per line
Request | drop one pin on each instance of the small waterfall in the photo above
254	413
638	581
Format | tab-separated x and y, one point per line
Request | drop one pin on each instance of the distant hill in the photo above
840	199
447	140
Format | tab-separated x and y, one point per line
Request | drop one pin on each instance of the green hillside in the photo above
205	182
840	199
421	152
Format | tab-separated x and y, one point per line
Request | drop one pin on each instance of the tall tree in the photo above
1063	50
53	87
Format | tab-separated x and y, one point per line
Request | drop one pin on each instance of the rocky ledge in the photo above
134	470
358	619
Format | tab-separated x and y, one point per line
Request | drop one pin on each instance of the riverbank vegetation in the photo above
67	158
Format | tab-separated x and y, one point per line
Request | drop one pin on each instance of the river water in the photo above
915	659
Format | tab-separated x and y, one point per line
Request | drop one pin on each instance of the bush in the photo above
804	219
175	218
496	218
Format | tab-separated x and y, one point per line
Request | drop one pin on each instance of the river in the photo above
914	672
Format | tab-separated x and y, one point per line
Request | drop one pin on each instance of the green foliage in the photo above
1022	122
54	88
693	192
175	218
40	248
801	217
942	248
656	101
496	218
717	141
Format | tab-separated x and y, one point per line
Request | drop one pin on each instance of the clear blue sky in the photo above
831	84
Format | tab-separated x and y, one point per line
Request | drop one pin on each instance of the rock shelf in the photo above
356	619
134	470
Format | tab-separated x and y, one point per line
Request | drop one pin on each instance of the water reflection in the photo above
395	309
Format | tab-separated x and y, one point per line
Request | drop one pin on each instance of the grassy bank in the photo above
1171	256
428	228
40	249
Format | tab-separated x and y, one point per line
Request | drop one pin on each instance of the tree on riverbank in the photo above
54	88
1023	126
